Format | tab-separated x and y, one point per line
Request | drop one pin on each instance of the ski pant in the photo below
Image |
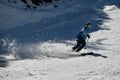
80	44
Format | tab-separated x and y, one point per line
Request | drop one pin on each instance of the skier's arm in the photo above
85	33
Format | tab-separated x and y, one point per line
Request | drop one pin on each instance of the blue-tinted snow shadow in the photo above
65	26
62	27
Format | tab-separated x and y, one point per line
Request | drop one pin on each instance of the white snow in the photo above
57	64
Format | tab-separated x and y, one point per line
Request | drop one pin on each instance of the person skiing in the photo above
81	38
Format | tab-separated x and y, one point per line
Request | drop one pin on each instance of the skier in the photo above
81	38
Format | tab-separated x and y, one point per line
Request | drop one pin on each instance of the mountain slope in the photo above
53	60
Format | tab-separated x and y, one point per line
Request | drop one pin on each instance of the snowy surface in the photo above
52	60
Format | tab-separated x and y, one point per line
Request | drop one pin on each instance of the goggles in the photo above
88	26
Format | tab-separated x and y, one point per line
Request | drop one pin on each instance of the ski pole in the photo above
86	43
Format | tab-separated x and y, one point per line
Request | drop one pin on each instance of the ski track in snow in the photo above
52	60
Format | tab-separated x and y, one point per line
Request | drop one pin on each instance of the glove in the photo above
88	36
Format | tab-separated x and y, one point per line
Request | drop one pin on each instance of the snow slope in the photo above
52	60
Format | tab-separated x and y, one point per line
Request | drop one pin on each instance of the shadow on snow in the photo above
87	54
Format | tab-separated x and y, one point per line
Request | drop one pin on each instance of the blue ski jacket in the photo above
83	34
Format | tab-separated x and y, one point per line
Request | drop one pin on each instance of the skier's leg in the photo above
82	45
77	45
